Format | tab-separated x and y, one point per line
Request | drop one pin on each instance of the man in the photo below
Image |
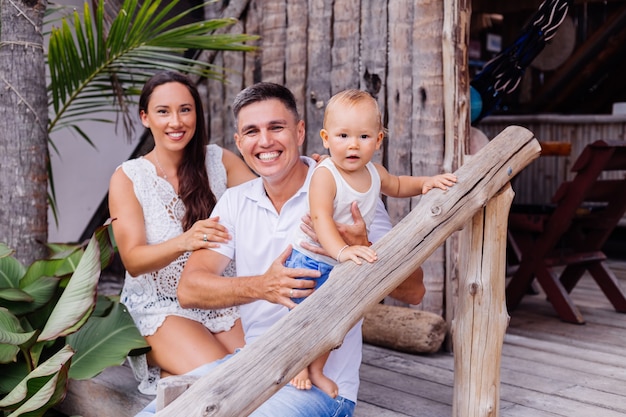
260	216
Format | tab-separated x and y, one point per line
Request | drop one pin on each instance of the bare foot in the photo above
324	383
302	381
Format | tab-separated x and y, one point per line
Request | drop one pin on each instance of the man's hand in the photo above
319	157
280	284
352	234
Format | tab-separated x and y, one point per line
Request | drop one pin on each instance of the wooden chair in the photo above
571	233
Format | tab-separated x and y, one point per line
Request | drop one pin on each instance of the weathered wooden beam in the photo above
322	320
481	316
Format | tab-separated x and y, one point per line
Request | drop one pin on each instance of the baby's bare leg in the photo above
316	374
302	381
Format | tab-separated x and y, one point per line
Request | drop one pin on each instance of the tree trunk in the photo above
23	142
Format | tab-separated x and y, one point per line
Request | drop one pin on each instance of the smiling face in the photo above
352	132
268	137
171	116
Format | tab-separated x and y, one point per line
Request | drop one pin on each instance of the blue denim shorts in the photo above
299	260
292	402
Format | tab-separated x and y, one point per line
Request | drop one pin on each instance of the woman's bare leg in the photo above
233	338
181	345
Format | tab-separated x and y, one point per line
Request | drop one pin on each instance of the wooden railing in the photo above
481	195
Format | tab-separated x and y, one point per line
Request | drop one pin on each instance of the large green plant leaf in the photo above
5	250
23	291
11	271
69	260
14	294
78	298
12	373
11	336
103	342
42	388
106	243
40	268
10	329
39	293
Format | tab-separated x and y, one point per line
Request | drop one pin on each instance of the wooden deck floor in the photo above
549	368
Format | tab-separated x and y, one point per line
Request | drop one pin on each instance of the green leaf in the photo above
15	294
8	353
104	235
42	388
78	298
70	262
5	250
104	305
103	342
10	329
12	373
112	67
39	269
11	271
40	292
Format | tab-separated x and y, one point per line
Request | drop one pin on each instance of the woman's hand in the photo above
207	233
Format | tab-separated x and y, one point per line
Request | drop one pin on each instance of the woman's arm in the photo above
237	171
130	233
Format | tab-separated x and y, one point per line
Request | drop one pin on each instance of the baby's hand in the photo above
442	181
356	253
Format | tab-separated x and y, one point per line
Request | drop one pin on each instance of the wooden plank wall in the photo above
319	47
539	181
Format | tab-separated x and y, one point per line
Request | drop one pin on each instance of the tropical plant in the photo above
53	326
96	67
96	62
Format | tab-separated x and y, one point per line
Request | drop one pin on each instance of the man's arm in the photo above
202	286
412	289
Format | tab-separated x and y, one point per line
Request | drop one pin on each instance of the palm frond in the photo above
94	70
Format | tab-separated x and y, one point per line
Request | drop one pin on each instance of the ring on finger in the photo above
291	293
204	238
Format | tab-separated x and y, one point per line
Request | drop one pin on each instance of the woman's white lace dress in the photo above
150	298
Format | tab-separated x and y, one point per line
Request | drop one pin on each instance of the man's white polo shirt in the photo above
259	236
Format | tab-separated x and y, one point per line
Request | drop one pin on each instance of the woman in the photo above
161	205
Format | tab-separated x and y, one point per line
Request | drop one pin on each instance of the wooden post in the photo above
481	316
456	106
322	320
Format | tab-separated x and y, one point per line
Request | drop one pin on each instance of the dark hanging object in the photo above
503	74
